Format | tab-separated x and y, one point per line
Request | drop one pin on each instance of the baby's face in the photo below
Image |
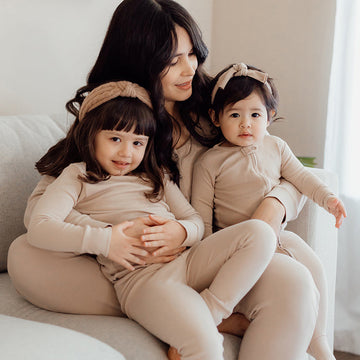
245	122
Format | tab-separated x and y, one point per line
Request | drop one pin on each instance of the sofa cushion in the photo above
23	140
25	339
122	334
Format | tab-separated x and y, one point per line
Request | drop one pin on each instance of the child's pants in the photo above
282	304
168	299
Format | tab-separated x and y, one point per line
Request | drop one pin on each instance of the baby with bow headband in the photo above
231	179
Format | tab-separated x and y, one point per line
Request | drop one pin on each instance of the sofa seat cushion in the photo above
26	339
117	332
124	335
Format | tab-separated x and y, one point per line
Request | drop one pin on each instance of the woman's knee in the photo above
294	289
62	282
286	287
303	253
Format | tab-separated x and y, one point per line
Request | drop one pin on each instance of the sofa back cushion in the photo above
23	140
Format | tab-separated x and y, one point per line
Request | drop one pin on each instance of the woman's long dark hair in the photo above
121	114
138	47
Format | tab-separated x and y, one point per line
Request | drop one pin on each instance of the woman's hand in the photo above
272	211
337	208
125	249
167	236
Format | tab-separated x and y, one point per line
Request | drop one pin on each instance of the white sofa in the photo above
23	140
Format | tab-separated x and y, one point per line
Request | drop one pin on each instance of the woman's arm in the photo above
184	213
202	196
272	211
290	198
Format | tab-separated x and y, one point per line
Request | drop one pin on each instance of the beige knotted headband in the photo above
111	90
239	70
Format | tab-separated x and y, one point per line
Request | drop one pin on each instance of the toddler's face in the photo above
245	122
119	152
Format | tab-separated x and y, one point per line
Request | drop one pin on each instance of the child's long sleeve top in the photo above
230	182
113	201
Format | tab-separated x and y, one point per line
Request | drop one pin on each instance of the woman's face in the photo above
177	78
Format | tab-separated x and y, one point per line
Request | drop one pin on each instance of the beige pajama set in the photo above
229	183
198	288
195	291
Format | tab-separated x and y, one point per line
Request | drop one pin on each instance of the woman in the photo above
157	45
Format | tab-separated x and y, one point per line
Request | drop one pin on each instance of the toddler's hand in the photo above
337	208
167	235
125	249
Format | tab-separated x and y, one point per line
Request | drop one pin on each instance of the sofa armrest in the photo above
317	227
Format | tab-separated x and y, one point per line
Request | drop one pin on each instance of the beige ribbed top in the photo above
112	201
230	182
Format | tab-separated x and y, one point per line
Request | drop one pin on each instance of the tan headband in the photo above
111	90
239	70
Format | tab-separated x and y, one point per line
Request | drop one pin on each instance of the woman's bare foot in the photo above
235	324
173	354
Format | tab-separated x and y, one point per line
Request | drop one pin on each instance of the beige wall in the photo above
292	40
48	47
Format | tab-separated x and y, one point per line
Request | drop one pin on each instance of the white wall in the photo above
291	40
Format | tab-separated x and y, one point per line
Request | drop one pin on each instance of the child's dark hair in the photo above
239	88
121	114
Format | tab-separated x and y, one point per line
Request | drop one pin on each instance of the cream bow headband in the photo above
111	90
239	70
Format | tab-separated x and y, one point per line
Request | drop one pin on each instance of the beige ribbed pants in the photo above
182	302
283	304
302	252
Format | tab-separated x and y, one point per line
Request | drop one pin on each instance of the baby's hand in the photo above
167	235
337	208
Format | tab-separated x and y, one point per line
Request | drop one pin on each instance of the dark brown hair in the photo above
139	45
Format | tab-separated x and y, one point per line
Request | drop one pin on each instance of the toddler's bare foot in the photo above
173	354
235	324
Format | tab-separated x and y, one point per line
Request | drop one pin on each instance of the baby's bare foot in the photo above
235	324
